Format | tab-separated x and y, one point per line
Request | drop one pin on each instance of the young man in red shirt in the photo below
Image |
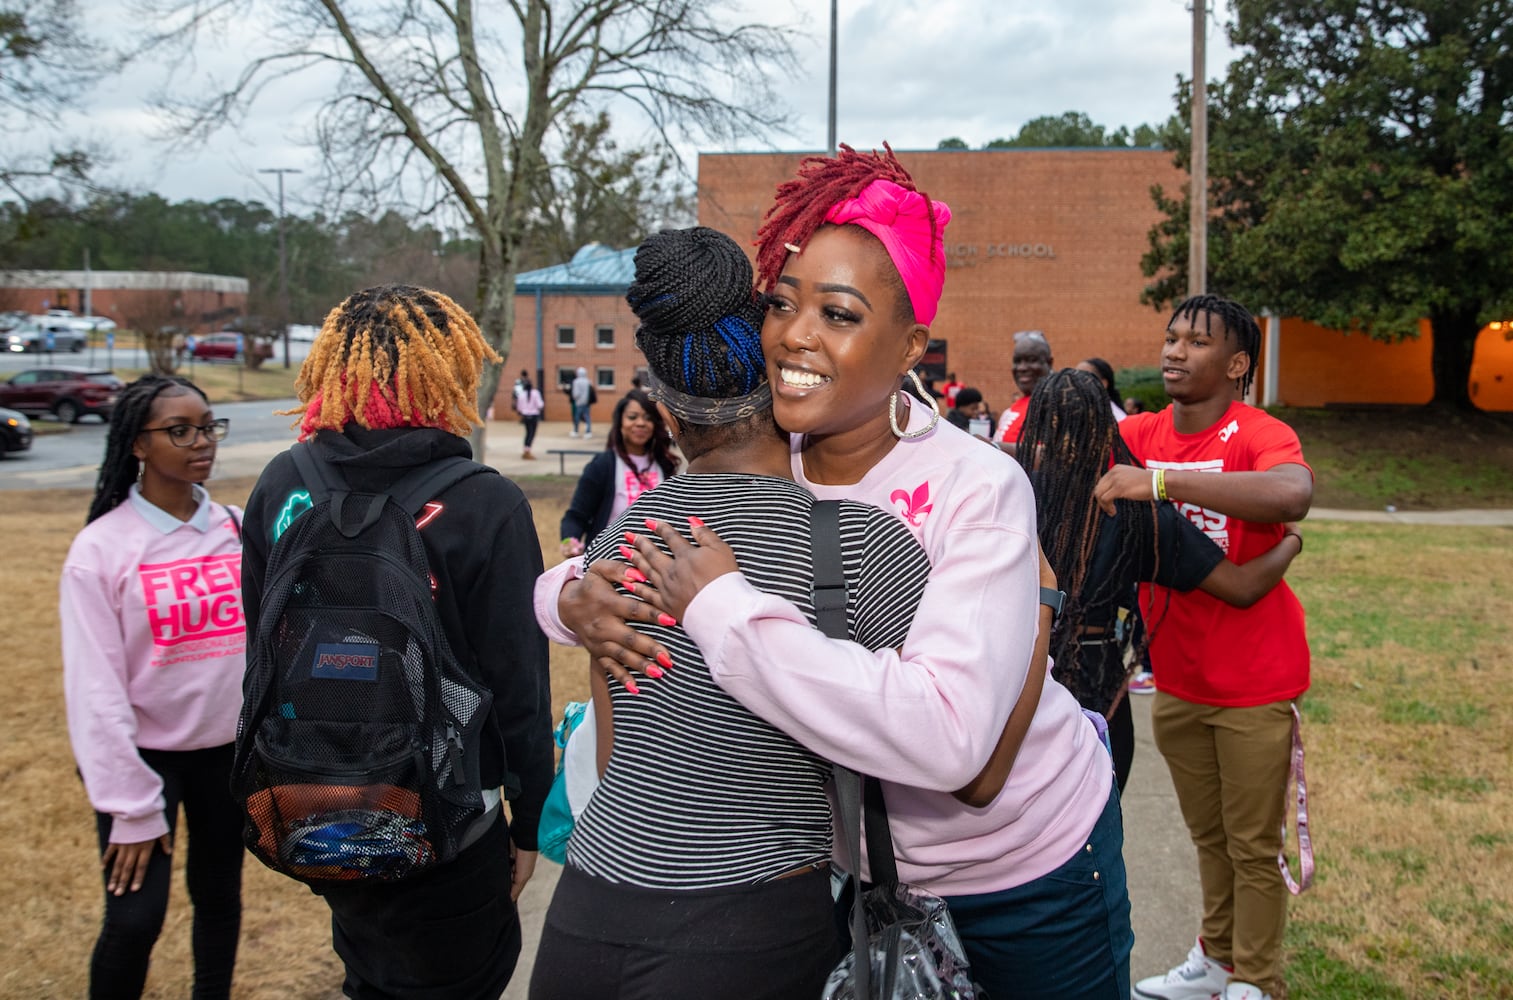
1226	676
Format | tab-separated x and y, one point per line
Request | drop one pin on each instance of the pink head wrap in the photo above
900	218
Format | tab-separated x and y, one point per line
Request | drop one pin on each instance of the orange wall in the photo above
1319	367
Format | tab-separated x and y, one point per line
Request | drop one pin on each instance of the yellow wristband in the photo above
1160	481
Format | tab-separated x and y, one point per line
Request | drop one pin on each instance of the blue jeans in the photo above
1064	936
582	413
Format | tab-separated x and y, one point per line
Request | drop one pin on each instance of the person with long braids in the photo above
1226	677
851	257
700	867
639	456
153	655
1069	439
390	386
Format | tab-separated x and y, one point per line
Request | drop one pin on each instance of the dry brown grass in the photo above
1410	744
49	880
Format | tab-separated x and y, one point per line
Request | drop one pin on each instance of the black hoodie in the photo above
485	556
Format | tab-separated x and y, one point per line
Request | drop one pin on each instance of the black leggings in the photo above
530	429
201	780
1121	738
605	941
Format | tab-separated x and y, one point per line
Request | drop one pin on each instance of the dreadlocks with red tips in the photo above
832	190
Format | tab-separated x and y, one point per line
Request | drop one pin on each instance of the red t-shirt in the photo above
1011	421
1204	650
949	390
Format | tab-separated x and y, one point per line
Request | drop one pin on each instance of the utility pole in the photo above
834	148
283	259
1197	223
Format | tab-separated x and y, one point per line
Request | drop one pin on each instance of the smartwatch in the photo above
1055	600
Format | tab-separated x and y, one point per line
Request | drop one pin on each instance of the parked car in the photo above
15	431
68	318
66	393
31	337
303	332
228	345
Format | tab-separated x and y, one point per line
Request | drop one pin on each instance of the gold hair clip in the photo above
791	248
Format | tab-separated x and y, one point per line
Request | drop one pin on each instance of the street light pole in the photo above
833	20
1197	223
283	259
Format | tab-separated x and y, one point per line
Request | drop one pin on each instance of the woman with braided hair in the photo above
153	654
852	260
700	866
1069	439
639	457
389	387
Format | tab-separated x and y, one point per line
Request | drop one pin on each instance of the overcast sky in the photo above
911	72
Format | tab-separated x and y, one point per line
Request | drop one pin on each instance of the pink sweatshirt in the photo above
153	650
926	719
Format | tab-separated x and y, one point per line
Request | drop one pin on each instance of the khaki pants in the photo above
1228	766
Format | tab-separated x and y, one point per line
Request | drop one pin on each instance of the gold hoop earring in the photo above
903	435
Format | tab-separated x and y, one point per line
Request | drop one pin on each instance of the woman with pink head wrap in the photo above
999	790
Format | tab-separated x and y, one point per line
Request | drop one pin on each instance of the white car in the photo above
67	317
34	338
303	331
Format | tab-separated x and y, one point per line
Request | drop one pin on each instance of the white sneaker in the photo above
1198	978
1244	991
572	434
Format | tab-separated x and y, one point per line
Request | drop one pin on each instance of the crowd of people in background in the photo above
1006	573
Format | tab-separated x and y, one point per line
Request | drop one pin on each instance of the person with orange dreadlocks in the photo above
389	387
852	260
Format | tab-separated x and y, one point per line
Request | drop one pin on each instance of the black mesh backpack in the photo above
357	751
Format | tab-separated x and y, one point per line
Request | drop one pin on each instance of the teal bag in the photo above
557	815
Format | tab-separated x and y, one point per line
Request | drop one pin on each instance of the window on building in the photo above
604	336
565	375
567	336
604	378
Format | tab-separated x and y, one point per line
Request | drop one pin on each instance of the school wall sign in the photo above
970	254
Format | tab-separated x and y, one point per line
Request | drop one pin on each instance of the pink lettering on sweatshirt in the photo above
192	599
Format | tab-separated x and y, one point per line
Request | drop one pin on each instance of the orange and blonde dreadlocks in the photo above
394	356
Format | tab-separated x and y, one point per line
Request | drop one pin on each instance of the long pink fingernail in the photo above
651	525
627	552
653	671
631	687
663	618
630	537
664	659
696	522
635	576
630	588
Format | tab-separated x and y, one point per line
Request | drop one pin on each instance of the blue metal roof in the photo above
594	270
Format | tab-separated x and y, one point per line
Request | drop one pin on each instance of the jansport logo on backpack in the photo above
357	751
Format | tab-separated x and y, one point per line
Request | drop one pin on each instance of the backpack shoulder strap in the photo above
320	478
829	572
433	479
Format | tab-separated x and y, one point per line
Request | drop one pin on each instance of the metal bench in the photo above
562	454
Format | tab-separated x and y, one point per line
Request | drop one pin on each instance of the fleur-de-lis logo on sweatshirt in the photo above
915	506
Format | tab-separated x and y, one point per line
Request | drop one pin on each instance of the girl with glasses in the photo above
153	656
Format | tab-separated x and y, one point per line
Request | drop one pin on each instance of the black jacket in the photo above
485	558
593	499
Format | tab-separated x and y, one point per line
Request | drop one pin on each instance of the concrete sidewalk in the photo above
1162	867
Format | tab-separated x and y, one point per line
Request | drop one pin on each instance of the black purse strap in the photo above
855	794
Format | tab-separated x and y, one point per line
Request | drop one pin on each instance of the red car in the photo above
66	393
228	346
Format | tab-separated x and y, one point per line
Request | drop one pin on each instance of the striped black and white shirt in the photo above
699	792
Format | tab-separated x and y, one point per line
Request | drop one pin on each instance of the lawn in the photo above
1410	757
225	382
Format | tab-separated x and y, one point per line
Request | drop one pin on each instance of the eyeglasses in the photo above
184	435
